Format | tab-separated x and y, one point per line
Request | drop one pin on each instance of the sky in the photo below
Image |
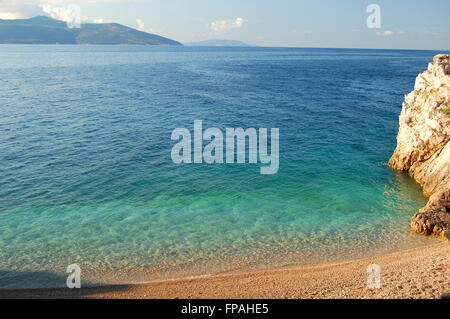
402	24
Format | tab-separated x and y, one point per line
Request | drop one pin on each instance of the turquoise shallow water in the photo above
86	175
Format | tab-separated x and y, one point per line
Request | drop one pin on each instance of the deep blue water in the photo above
86	175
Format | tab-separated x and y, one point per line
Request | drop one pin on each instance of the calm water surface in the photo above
86	175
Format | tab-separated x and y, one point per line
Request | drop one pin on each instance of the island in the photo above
218	43
45	30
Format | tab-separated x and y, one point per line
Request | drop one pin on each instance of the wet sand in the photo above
422	272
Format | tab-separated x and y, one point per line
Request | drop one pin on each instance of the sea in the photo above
87	177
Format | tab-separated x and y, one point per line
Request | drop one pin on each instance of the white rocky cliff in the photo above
423	145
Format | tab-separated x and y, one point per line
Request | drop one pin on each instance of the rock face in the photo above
423	147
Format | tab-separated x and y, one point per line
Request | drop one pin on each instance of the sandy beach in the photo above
422	272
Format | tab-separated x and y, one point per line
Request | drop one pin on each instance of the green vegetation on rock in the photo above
446	111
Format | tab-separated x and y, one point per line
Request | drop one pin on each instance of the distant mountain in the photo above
45	30
218	43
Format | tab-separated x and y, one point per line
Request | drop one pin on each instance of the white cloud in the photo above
226	25
58	13
57	9
388	33
141	27
239	22
10	15
141	24
12	9
65	13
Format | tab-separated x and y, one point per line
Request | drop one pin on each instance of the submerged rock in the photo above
423	145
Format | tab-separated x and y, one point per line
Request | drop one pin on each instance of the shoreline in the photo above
422	272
